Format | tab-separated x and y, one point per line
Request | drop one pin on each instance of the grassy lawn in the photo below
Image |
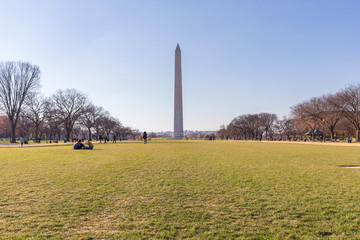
180	189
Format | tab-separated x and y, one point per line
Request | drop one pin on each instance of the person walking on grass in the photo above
145	137
22	141
114	138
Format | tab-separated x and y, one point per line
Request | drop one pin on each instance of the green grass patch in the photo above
180	189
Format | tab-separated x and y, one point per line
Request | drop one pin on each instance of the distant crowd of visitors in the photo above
106	139
88	144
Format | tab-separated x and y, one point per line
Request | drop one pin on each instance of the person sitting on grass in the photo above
88	145
78	145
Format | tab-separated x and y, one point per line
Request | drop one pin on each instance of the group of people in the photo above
106	139
87	145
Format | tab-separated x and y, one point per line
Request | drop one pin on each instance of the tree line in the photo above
66	114
335	115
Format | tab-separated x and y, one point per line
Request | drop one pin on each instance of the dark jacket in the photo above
78	145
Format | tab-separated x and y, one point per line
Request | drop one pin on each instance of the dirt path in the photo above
37	144
33	145
313	143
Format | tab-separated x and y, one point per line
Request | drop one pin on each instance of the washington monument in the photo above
178	109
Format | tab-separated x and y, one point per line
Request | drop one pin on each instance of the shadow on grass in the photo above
173	142
349	166
150	142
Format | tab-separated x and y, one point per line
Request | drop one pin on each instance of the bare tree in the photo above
345	128
328	113
319	111
92	117
52	124
125	132
236	128
287	126
5	127
17	80
307	113
250	126
78	132
98	124
24	127
34	111
268	121
221	133
109	124
348	102
69	105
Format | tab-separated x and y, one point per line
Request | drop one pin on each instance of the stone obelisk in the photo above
178	109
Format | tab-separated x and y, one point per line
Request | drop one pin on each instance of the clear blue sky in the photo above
238	56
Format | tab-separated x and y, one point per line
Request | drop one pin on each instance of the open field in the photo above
180	189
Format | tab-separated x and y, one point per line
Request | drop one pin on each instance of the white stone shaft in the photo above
178	108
